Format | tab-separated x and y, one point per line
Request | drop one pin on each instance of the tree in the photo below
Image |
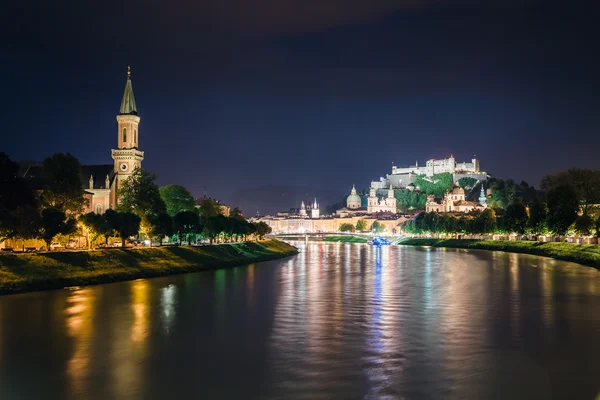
583	224
213	226
377	227
63	187
140	195
597	226
562	208
19	215
361	225
97	225
346	227
54	222
262	229
177	198
186	224
538	213
127	225
485	221
209	208
162	225
515	217
237	213
584	182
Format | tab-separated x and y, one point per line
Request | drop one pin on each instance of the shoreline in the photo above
20	273
585	254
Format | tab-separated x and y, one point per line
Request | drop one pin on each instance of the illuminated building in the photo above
403	177
454	201
101	181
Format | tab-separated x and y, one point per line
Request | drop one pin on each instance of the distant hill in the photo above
273	198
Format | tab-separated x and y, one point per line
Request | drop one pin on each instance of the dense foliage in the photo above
436	185
177	198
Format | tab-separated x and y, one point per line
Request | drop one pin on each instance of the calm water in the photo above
337	321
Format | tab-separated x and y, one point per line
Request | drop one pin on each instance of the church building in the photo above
102	181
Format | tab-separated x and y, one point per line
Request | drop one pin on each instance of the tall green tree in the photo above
515	217
177	198
63	187
485	221
19	215
377	227
346	227
127	224
186	224
214	226
209	208
97	225
161	226
262	229
140	195
361	225
538	212
563	207
53	222
584	224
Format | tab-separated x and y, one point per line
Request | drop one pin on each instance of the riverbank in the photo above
346	239
44	271
585	254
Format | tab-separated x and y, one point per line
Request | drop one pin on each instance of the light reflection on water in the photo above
336	321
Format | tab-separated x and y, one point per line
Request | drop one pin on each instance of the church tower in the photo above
127	157
314	211
391	200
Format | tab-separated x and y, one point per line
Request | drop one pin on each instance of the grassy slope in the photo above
27	272
346	239
586	254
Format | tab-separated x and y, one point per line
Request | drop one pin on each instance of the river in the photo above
337	321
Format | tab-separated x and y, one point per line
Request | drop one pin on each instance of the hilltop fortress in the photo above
404	177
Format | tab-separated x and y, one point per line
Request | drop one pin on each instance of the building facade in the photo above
455	202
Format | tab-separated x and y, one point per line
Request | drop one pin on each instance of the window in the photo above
124	135
98	208
135	136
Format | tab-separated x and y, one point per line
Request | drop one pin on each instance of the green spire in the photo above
128	102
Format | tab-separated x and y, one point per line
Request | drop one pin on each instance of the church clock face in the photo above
123	167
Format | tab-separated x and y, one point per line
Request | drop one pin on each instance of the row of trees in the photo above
362	226
170	211
26	214
558	212
143	208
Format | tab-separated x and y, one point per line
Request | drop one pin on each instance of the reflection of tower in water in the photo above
80	323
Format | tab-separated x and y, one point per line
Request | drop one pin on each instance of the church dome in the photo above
354	200
457	190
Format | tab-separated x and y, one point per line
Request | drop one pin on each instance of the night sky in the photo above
239	94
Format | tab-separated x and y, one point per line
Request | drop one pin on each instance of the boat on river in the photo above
379	241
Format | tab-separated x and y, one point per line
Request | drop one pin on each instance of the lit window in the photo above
98	208
135	136
124	134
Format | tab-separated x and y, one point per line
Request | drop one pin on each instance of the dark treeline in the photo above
567	204
144	210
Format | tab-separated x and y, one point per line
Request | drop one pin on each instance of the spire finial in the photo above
129	72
